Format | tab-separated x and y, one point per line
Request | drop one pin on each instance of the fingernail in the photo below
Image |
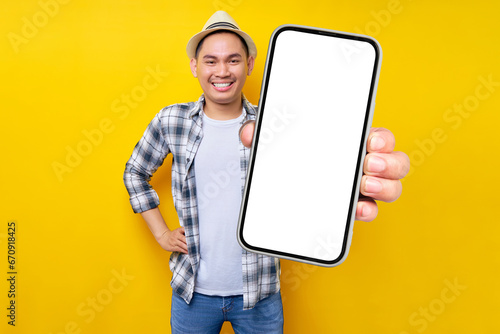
377	143
365	211
372	186
376	165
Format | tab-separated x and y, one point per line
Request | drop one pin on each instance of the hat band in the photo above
222	24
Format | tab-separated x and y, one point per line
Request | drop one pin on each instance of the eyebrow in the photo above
232	55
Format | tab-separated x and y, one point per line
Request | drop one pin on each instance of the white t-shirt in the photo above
218	191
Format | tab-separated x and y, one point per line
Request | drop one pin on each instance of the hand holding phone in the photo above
315	112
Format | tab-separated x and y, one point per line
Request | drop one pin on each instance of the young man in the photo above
214	279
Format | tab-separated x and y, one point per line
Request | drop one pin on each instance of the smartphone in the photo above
306	161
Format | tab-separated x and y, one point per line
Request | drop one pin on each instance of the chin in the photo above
224	100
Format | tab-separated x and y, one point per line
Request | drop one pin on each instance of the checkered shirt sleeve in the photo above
147	156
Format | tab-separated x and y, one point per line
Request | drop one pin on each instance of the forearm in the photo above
155	222
172	241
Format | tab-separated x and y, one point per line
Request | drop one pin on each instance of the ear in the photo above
250	63
193	66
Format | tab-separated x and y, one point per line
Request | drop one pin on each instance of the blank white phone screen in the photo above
311	128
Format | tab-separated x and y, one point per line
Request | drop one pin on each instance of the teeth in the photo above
220	85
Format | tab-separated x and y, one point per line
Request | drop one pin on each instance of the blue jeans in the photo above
206	314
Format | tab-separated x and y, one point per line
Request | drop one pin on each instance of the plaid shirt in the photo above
177	129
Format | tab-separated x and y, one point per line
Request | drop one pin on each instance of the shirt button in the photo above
197	137
188	160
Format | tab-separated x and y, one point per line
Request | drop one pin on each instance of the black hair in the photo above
198	48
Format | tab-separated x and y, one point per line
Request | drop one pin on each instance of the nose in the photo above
222	69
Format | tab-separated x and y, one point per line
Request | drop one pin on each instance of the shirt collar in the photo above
248	108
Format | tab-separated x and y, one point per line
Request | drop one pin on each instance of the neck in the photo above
223	112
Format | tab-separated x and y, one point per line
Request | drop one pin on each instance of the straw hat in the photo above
220	21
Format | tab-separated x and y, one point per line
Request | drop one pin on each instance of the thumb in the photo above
246	133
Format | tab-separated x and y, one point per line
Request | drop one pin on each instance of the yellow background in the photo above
75	233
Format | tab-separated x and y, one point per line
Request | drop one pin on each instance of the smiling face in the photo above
221	68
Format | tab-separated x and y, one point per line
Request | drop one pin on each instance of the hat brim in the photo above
195	40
